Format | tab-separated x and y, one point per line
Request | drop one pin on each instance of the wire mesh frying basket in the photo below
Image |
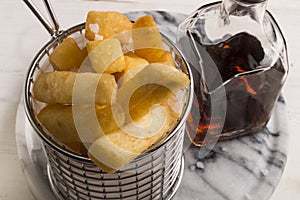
155	174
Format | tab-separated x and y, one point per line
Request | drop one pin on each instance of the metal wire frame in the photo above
137	183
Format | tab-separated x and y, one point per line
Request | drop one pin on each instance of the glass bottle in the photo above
239	61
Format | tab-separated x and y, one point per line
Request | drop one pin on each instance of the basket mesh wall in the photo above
151	176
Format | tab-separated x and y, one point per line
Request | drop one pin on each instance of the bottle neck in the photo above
255	9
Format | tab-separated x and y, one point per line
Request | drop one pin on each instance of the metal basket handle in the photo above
53	28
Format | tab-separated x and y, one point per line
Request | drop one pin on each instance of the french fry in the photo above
67	55
132	62
58	120
148	43
145	34
123	146
70	87
61	122
153	84
145	97
106	56
103	25
155	55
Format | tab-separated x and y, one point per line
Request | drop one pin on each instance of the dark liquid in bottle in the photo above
249	97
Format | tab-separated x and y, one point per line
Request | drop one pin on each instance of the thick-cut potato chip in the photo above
102	25
132	62
59	121
106	56
57	87
67	55
145	33
124	147
144	21
145	97
148	43
156	56
151	85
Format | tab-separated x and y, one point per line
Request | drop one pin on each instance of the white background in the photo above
22	36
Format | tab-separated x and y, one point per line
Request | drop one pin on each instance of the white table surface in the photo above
22	36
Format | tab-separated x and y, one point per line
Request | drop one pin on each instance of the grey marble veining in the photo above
247	168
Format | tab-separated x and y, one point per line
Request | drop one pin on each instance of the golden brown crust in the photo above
155	55
144	21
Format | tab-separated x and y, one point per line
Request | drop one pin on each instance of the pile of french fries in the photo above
124	103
